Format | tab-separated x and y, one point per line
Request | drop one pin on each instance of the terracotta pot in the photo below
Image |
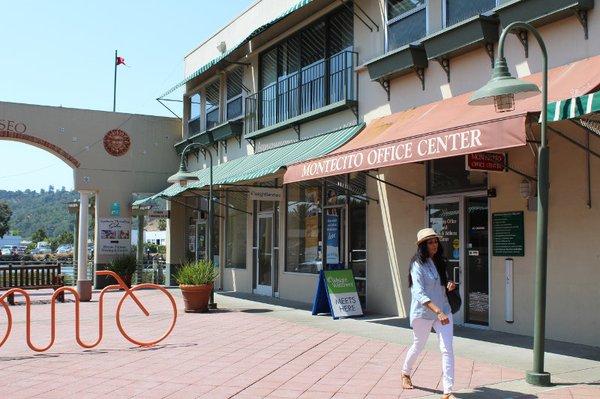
195	297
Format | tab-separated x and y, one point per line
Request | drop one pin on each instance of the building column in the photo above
140	247
75	246
84	285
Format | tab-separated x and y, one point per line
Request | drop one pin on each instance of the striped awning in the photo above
575	107
255	166
221	57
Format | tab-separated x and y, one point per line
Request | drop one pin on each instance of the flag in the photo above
120	60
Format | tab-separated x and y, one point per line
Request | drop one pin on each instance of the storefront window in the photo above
448	175
235	236
304	241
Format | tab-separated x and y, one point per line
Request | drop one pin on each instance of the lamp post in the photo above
501	91
182	177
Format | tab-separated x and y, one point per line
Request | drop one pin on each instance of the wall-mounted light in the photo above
525	189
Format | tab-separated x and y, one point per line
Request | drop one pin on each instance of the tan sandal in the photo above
406	382
448	396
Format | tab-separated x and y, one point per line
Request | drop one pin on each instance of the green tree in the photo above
5	215
39	235
162	224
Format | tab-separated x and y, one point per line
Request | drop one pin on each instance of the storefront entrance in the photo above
265	248
463	222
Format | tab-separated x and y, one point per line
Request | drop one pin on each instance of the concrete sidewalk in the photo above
252	349
570	364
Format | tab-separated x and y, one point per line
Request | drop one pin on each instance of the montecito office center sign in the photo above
423	147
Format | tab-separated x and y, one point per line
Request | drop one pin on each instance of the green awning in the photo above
575	107
254	33
265	163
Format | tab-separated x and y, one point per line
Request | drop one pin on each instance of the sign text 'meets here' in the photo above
405	151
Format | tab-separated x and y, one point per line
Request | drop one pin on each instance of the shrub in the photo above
197	273
123	265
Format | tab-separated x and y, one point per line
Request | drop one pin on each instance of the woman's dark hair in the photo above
438	260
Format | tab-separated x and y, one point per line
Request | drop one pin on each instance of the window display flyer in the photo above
115	236
333	238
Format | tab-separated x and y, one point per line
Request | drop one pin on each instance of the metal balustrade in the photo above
315	86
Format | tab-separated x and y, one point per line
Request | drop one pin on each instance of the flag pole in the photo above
115	84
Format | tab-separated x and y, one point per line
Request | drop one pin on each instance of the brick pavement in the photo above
225	354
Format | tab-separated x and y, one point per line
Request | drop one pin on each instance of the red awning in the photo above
446	128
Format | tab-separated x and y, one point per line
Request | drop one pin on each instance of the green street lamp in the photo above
182	177
501	90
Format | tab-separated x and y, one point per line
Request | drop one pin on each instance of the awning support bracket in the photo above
489	49
385	84
445	64
352	192
421	75
396	186
296	128
582	16
525	175
238	137
160	101
224	144
523	37
246	64
359	17
252	143
577	144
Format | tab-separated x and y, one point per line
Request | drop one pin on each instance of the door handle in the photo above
456	275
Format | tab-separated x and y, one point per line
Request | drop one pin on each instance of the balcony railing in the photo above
315	86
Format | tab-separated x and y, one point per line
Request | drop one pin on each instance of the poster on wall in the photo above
192	238
508	233
333	239
115	236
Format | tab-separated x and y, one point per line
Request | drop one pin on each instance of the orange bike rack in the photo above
116	287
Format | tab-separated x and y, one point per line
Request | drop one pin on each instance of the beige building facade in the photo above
113	156
288	83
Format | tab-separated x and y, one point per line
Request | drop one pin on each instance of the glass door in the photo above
477	270
357	241
462	222
445	218
264	284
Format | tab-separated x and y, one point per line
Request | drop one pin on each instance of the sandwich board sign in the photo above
336	294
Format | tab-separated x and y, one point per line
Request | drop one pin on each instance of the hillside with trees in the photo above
43	209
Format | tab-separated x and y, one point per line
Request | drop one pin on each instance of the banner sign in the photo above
264	194
336	294
508	234
448	143
158	213
115	236
332	229
487	161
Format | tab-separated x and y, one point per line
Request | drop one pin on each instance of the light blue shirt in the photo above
426	287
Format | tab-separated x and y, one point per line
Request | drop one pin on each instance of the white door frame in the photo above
264	289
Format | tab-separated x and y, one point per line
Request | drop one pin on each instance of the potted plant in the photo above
196	282
124	266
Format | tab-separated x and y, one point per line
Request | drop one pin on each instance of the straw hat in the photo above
426	234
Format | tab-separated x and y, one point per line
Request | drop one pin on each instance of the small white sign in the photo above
115	236
264	194
157	213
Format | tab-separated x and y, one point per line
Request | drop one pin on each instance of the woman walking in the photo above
429	307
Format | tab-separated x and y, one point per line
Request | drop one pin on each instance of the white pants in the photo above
445	333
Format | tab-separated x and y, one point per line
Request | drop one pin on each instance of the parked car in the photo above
42	250
6	250
64	249
21	250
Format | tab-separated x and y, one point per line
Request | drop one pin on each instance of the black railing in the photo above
315	86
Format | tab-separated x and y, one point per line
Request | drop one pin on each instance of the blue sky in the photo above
62	53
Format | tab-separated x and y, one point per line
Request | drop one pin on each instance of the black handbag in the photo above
453	296
454	299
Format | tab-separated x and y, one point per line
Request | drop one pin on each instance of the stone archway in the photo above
40	143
